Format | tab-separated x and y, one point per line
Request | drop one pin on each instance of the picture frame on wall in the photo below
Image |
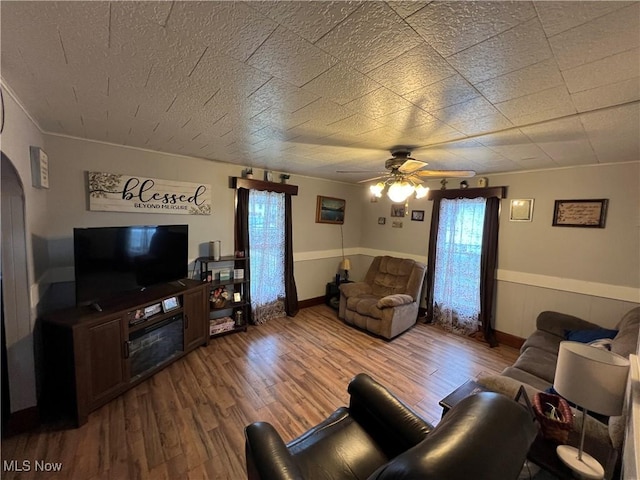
398	210
330	210
417	215
590	213
521	210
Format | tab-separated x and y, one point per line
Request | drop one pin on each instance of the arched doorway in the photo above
17	339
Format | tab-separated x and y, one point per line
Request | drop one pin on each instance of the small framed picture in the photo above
417	215
397	224
382	220
237	297
170	303
206	276
521	210
580	213
397	210
330	210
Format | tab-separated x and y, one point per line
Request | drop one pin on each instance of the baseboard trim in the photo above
509	340
311	302
22	421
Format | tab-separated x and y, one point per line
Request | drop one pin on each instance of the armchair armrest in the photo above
267	455
556	323
354	289
388	420
395	300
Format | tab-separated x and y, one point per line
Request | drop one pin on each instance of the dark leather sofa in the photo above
485	437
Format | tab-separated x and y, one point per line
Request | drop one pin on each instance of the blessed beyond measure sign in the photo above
114	192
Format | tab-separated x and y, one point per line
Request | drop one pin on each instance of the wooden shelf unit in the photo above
236	285
88	354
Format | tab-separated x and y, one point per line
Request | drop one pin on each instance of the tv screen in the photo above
113	260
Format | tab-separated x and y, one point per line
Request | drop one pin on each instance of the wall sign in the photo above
39	167
114	192
580	213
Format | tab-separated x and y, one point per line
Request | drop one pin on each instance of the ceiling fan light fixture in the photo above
399	191
421	191
376	190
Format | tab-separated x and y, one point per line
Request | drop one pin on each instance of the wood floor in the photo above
187	421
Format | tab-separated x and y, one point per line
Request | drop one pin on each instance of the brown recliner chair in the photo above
484	437
386	302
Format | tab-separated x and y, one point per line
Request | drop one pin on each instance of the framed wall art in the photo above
521	210
330	210
417	215
580	213
398	210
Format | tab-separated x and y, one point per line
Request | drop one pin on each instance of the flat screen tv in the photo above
113	260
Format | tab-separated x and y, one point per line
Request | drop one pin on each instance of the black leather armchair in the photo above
484	437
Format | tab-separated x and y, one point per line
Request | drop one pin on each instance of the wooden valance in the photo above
499	192
250	184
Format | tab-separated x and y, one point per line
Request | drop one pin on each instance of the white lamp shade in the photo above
345	264
592	378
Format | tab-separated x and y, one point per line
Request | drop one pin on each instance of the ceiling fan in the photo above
405	176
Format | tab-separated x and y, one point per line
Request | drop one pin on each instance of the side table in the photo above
469	387
332	293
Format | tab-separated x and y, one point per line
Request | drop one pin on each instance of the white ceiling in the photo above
314	87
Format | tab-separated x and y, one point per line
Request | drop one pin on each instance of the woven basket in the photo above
555	430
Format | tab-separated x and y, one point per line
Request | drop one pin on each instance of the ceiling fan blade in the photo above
445	173
361	171
372	179
411	166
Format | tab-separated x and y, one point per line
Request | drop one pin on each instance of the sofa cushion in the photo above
588	336
543	340
526	378
538	362
626	341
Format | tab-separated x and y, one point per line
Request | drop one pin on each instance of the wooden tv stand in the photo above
91	356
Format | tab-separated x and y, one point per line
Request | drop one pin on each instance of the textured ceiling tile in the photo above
414	69
290	58
285	96
487	123
552	98
623	66
450	91
557	17
406	8
451	27
465	111
353	84
407	118
430	134
527	80
470	150
599	38
514	145
231	28
607	95
322	112
379	103
613	133
370	37
309	19
554	112
355	124
519	47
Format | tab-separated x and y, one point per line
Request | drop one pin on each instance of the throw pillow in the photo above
586	336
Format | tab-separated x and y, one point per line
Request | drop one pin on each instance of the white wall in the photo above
589	272
317	247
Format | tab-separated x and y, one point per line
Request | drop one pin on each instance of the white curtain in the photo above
266	254
456	289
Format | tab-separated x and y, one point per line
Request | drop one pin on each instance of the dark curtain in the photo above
488	260
291	292
488	257
431	262
242	235
242	244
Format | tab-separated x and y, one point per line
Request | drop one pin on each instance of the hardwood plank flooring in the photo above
187	421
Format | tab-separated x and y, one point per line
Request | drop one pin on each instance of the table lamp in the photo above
345	265
595	380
